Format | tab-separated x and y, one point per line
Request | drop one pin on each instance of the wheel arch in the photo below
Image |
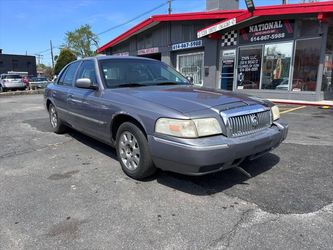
48	102
119	119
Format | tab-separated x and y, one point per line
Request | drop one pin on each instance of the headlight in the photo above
188	128
275	112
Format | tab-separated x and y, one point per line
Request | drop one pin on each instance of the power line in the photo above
168	2
134	18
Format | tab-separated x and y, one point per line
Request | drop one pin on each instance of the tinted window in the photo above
121	72
87	70
67	77
307	57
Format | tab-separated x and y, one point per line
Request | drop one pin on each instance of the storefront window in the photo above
191	65
306	64
276	66
249	67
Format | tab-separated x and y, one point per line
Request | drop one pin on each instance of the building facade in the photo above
274	52
25	65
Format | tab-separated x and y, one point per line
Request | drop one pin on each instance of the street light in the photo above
250	5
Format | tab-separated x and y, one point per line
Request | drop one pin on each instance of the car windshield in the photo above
12	76
117	73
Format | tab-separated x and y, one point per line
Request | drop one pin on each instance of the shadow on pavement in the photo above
196	185
92	143
220	181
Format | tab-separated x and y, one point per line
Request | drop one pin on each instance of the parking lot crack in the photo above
225	239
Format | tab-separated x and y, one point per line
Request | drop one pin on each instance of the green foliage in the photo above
81	41
66	56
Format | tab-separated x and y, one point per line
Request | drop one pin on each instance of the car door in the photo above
61	88
86	104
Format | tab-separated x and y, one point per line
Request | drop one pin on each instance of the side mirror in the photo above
85	83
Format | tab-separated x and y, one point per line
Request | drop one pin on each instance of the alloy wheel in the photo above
129	150
53	117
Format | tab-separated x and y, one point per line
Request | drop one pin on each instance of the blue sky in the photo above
27	26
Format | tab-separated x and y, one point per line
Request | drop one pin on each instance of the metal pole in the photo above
284	1
169	9
52	54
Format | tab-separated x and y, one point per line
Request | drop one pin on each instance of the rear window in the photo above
12	76
38	79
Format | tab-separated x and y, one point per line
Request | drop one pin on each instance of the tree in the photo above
45	70
81	41
66	56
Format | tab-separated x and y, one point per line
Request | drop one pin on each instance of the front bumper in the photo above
205	155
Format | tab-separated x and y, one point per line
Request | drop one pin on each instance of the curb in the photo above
317	104
23	92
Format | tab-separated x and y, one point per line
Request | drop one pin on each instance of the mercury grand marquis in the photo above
155	118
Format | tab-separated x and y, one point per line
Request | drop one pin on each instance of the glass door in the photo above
228	68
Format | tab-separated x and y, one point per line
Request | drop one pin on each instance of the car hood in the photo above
187	99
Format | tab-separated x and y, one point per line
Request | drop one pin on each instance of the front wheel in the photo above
133	153
56	124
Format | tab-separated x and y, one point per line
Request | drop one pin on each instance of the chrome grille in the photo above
249	123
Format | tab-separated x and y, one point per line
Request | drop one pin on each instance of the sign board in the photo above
267	31
148	51
249	63
186	45
121	54
216	27
229	53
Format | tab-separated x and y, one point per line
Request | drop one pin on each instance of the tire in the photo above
133	152
57	125
2	89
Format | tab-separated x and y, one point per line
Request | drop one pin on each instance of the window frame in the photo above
64	72
82	65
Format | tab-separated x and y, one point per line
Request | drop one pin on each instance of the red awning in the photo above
156	19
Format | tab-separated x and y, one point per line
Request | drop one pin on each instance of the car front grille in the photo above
249	123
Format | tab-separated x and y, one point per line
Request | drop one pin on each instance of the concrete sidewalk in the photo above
300	102
22	92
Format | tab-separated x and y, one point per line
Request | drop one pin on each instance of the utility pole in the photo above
169	9
52	54
39	58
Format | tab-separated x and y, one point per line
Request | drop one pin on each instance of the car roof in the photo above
107	57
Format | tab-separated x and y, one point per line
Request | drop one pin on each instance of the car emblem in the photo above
254	121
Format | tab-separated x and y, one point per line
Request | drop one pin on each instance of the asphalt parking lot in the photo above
68	192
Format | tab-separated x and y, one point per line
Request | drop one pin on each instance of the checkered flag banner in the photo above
229	39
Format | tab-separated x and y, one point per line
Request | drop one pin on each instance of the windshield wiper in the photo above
129	85
167	83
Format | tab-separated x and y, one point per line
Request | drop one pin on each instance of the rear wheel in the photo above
56	124
133	153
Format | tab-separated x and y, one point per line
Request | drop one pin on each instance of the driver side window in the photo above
87	70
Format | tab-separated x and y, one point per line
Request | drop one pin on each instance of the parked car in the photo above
155	118
11	82
38	82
